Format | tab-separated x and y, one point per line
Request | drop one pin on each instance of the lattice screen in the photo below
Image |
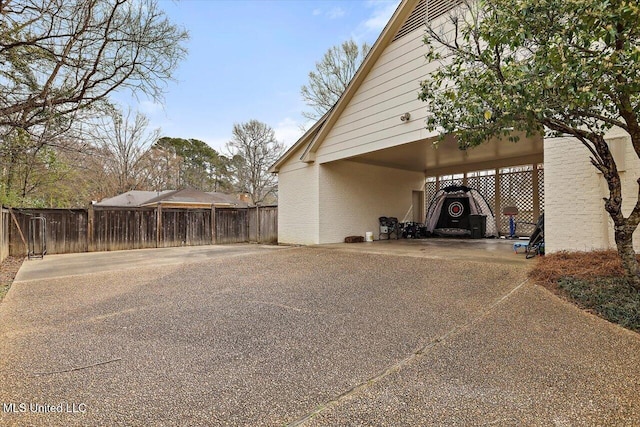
486	185
448	180
430	190
516	189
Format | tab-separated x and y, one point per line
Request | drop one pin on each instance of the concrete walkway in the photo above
309	336
481	250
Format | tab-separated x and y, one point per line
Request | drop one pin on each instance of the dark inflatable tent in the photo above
450	210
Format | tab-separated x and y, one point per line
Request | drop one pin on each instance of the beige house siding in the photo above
575	218
371	120
353	196
298	202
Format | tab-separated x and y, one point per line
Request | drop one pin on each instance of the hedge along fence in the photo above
109	229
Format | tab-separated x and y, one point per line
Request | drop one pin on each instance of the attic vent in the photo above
425	10
414	21
437	8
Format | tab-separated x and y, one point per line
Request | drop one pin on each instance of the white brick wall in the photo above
298	203
353	195
629	173
575	218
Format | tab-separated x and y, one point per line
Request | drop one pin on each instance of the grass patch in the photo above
4	288
594	281
610	298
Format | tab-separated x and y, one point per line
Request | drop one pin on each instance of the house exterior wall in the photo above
354	195
334	195
298	202
371	120
575	218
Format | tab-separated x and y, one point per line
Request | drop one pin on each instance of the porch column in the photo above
536	193
498	201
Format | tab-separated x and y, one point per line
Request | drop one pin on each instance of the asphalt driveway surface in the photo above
309	336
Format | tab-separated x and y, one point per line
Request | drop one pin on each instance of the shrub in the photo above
593	281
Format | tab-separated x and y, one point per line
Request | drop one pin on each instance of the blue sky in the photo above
248	60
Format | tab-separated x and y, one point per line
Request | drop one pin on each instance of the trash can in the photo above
478	226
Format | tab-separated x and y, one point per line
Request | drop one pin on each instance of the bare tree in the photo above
62	56
122	139
253	150
332	76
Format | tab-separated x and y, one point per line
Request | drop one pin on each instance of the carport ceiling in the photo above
423	156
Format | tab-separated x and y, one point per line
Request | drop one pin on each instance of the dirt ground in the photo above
8	270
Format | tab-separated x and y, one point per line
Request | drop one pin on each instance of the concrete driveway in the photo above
250	335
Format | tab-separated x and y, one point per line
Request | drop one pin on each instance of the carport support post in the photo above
213	224
536	194
498	201
159	226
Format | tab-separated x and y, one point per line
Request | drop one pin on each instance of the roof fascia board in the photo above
401	13
168	204
304	139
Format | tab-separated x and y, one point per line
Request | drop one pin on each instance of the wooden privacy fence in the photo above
110	228
4	233
259	224
66	230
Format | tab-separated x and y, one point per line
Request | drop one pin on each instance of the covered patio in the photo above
401	181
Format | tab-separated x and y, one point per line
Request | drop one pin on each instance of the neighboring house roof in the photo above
195	198
314	136
227	198
131	198
188	197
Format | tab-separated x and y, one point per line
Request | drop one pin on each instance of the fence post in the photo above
159	226
213	224
257	224
3	237
246	226
90	228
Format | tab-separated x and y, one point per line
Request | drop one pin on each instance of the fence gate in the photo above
37	237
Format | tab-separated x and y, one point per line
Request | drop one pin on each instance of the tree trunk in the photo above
624	227
624	244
